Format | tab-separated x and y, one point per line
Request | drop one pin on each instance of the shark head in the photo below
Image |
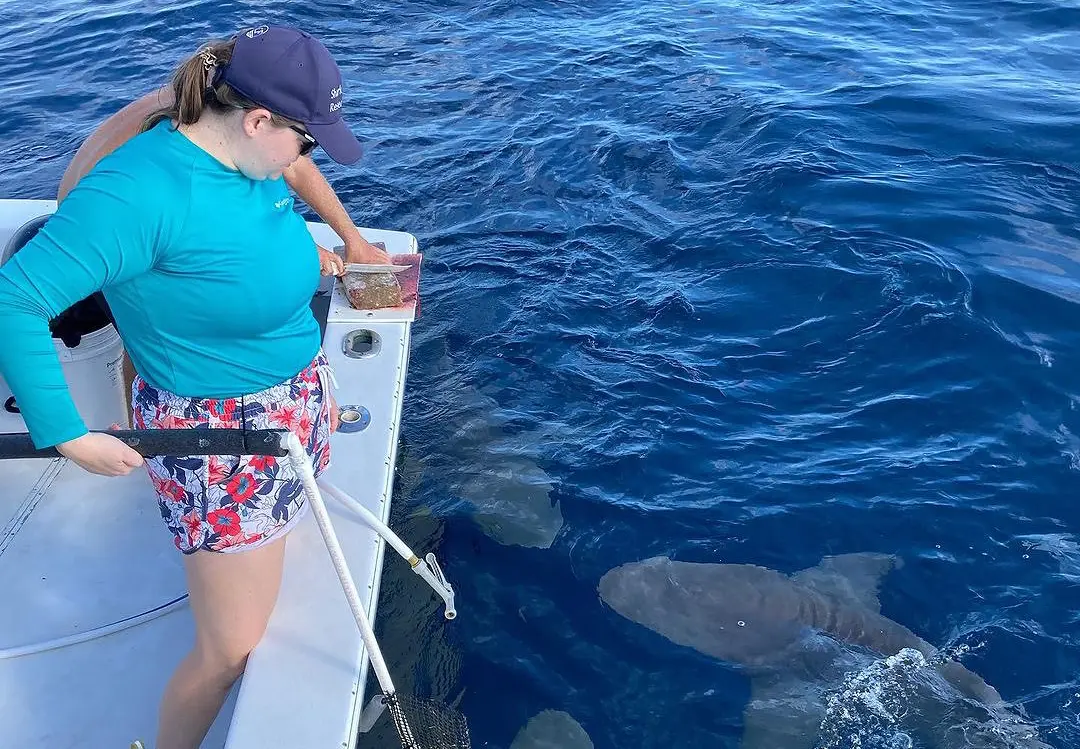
494	469
736	612
552	729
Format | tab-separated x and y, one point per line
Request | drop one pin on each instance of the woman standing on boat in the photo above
188	230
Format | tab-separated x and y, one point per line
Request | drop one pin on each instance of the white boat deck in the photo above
79	551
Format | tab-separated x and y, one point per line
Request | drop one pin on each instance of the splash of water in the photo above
867	711
898	701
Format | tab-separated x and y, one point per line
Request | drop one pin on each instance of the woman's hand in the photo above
334	418
330	264
101	453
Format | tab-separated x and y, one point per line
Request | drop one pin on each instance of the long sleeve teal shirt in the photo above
209	275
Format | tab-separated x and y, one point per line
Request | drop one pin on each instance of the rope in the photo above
93	634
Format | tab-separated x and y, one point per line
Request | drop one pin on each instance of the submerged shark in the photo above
552	729
764	621
495	472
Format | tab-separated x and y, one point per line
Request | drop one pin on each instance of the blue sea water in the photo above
740	282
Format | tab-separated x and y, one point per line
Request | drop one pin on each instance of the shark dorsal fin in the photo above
850	577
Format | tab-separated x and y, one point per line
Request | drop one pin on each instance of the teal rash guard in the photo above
209	275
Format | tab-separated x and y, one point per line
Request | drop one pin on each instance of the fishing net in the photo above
427	724
420	723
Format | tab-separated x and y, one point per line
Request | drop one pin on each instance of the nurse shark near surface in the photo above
552	729
494	472
764	621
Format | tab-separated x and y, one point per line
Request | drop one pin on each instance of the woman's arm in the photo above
304	177
104	234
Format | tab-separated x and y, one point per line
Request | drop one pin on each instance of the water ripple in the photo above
730	281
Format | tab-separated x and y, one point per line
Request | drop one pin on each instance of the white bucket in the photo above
94	374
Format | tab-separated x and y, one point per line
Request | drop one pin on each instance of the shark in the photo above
494	472
764	622
552	729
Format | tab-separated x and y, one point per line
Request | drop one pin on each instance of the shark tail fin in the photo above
850	577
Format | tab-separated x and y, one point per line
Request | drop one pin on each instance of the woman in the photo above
303	176
189	232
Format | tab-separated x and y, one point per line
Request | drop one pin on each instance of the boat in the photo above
94	613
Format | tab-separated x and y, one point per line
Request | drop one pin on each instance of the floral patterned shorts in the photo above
228	503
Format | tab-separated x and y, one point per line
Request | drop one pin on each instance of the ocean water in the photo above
723	281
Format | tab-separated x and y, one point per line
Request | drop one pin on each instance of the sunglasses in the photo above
309	142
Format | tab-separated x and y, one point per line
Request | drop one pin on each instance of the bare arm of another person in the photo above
110	135
304	177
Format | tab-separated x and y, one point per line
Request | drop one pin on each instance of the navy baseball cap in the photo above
292	74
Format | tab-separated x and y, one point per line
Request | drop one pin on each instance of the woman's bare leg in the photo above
231	597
